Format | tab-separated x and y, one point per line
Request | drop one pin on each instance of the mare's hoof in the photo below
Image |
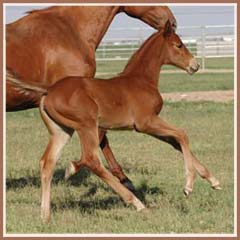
187	191
70	170
128	184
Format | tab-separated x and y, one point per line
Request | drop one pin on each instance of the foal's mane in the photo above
140	51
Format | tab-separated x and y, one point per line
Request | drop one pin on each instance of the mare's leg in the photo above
158	128
59	137
90	159
115	168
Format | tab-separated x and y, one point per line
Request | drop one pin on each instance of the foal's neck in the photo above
147	61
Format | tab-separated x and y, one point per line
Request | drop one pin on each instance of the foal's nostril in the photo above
197	67
194	65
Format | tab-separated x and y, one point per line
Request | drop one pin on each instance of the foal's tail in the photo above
14	79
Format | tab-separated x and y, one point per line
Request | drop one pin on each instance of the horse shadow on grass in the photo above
143	190
89	204
35	181
86	204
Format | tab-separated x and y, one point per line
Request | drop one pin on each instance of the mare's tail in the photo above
14	79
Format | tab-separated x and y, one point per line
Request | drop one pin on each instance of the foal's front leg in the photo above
91	159
160	129
115	168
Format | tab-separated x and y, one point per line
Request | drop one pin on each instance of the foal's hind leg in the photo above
90	159
115	168
59	137
156	127
205	174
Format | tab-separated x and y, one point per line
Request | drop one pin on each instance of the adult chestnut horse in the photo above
86	104
56	42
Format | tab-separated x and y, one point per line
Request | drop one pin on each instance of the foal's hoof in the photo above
128	184
215	184
70	170
216	187
187	191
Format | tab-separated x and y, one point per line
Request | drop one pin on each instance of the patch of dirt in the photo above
200	71
215	96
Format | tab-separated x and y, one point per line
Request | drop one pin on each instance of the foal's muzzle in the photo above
193	66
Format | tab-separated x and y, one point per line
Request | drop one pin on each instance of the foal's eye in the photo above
179	45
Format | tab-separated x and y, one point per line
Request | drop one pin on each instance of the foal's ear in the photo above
167	29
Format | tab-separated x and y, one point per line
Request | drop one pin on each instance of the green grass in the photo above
210	63
218	63
182	82
197	82
86	205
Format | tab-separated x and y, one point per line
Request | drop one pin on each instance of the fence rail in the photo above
203	41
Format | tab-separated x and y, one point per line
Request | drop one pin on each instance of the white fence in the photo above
203	41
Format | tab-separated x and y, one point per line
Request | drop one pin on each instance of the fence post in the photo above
203	33
104	51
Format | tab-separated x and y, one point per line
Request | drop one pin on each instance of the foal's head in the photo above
176	52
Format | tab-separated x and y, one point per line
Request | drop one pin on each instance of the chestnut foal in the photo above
128	101
50	44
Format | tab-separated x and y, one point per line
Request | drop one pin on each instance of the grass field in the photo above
86	205
117	66
182	82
